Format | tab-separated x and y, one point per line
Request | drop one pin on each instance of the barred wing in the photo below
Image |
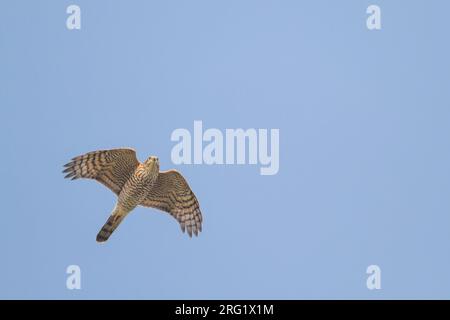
112	168
171	193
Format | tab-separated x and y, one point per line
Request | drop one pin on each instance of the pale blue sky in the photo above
364	119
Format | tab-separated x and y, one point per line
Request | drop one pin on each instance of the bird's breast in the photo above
136	189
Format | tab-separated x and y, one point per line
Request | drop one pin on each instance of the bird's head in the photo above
152	164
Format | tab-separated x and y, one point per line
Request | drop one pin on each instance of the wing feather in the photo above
112	167
172	194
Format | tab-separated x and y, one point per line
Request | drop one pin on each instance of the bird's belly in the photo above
133	193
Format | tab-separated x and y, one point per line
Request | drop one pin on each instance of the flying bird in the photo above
138	184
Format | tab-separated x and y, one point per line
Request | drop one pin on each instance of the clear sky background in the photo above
364	119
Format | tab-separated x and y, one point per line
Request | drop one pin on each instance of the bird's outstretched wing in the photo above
171	193
109	167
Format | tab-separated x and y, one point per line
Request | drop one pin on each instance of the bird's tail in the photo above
113	222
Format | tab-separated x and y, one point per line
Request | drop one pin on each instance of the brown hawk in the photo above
135	184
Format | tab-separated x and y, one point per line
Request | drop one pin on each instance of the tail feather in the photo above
108	228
